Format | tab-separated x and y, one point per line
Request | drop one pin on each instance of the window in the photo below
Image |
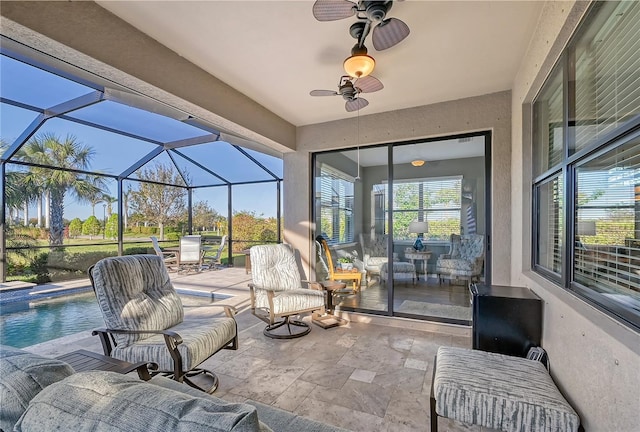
436	201
336	205
587	162
549	229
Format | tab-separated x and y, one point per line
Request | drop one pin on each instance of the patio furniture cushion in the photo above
198	335
497	391
108	401
135	293
401	270
22	376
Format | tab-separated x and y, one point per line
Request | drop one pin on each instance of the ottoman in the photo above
401	270
511	394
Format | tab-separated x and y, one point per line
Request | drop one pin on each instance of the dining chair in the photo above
170	258
354	275
191	253
215	260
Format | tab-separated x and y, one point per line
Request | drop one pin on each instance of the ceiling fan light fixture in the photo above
360	64
417	163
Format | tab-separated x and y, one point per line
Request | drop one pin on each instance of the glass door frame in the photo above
390	241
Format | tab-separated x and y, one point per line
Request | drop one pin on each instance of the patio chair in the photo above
170	258
354	274
277	293
215	260
191	253
464	260
145	320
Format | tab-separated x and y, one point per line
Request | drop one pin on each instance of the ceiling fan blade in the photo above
332	10
368	84
355	104
388	33
323	93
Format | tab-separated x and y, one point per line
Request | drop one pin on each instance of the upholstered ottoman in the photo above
401	270
497	391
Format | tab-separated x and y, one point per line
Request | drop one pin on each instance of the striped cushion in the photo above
512	394
22	376
107	401
274	268
200	338
134	293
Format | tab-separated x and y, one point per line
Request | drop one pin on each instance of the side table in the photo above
83	360
329	320
423	256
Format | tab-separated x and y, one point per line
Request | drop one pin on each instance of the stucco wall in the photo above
594	360
482	113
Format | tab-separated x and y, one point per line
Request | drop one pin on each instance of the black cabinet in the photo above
506	320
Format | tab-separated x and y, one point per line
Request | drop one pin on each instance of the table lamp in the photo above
418	227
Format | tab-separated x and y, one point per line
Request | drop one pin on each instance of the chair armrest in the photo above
171	338
229	310
121	331
317	286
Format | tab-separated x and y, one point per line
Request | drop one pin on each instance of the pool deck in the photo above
373	374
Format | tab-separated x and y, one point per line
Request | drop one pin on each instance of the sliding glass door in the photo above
411	217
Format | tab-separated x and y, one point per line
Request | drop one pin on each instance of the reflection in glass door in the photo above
345	195
417	239
437	215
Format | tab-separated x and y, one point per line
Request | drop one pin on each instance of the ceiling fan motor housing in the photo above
347	91
376	11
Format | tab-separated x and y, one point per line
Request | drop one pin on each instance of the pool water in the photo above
28	323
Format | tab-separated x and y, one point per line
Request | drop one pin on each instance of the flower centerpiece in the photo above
346	263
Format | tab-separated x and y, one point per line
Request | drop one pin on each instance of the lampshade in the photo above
359	64
417	163
586	228
417	227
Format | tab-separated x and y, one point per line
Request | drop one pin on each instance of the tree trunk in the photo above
47	210
26	214
161	226
39	203
56	211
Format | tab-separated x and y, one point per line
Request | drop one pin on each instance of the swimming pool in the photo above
28	323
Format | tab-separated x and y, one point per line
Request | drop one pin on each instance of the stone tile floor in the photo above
363	376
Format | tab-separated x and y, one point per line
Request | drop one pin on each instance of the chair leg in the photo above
195	372
291	334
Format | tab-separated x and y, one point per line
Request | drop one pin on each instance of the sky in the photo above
114	153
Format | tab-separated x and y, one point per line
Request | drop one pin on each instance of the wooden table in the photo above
83	360
329	320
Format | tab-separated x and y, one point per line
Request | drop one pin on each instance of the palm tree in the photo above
110	201
94	200
19	191
62	155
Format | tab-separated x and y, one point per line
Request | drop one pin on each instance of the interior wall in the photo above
471	169
594	359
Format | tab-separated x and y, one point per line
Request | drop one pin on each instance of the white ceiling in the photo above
275	52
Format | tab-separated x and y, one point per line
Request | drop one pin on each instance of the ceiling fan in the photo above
350	89
387	32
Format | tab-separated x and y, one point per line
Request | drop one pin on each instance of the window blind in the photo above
608	74
336	205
